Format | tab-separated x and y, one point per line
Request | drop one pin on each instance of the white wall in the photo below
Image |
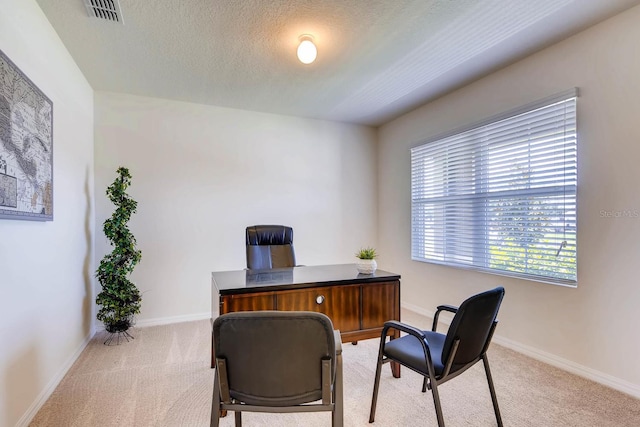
46	268
201	174
592	329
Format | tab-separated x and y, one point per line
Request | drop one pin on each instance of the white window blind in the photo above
500	196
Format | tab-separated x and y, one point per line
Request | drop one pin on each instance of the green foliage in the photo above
120	299
366	253
514	256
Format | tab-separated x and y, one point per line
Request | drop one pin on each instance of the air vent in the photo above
109	10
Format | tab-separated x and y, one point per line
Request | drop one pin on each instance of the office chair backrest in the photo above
270	246
472	325
274	357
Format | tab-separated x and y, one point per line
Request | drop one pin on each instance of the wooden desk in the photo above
357	304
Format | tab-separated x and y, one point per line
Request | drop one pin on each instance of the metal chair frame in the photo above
332	393
431	380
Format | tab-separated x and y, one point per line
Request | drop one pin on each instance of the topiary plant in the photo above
120	299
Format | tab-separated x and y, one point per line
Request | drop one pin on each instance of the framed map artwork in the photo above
26	147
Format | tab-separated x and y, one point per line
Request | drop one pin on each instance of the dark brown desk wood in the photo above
357	304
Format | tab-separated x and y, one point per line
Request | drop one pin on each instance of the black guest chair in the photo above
277	361
440	357
270	246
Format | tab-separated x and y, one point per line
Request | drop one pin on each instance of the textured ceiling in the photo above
376	58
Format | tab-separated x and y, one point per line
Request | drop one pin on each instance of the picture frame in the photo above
26	147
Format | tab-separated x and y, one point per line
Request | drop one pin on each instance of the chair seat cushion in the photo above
408	351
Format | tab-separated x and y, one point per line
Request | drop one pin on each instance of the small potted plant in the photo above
366	261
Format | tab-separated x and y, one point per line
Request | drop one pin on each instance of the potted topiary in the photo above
120	299
366	261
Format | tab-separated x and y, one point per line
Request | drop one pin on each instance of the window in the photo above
500	196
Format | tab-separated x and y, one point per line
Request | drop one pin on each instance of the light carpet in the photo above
162	378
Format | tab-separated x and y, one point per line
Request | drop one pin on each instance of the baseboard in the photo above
28	416
553	360
416	309
99	326
172	319
572	367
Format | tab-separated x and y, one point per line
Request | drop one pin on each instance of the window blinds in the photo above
500	196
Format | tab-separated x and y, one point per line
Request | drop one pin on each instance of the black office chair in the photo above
270	246
277	361
440	357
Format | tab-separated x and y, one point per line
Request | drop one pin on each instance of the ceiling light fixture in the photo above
307	51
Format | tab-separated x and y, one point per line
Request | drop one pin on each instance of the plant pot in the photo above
366	266
118	326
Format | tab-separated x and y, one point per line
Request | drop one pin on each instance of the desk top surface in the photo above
241	281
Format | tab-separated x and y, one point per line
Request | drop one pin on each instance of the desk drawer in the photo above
248	302
340	303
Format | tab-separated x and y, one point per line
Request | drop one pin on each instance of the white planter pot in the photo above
366	266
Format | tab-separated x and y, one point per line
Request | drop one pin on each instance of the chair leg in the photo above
215	403
337	417
492	390
238	419
376	383
434	391
424	385
436	403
